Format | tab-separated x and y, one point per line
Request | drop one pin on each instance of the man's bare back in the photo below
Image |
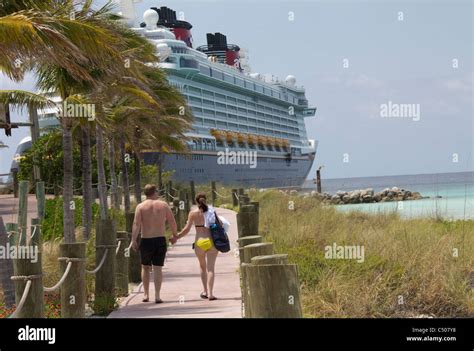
151	216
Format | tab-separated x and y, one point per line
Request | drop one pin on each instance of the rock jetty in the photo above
368	196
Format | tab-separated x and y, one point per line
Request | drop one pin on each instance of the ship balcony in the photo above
303	102
309	112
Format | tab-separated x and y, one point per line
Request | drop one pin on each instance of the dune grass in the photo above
410	266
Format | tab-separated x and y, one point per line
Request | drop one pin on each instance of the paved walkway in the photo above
182	285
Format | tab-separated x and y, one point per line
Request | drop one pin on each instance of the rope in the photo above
20	234
22	300
34	230
61	281
71	259
26	277
11	233
174	198
222	196
100	264
106	246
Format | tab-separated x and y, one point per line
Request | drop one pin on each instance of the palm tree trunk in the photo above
138	179
68	205
113	176
102	187
159	165
86	182
126	189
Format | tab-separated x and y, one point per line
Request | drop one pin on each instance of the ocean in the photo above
451	194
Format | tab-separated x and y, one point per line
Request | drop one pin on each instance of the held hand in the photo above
173	239
135	245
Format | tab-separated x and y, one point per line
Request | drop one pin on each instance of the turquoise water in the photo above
451	194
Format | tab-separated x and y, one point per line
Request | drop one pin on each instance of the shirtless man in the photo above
150	218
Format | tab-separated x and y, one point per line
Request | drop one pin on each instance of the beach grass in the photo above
411	267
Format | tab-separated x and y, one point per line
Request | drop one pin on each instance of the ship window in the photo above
220	143
208	103
228	78
194	90
188	63
205	70
220	97
232	99
242	145
259	89
261	147
209	122
220	105
218	75
171	60
239	82
207	93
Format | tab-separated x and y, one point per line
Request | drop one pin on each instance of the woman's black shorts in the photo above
153	251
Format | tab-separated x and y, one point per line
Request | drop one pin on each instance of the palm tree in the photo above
86	180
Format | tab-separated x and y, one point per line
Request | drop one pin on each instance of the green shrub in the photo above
53	221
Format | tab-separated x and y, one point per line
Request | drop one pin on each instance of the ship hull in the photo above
269	172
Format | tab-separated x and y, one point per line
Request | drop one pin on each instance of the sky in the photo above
354	58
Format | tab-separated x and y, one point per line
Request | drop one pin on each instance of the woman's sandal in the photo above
203	295
159	301
212	298
145	300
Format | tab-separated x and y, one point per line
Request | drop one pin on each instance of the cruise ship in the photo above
256	121
236	112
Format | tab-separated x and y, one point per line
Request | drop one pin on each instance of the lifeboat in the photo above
251	138
242	137
218	134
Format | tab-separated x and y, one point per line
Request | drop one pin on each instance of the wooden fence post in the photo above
213	193
41	200
247	221
273	289
235	198
73	290
134	263
30	265
121	271
106	241
246	254
6	268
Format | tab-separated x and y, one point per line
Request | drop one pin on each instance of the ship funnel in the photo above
224	53
167	18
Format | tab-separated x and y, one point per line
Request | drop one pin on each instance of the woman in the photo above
202	218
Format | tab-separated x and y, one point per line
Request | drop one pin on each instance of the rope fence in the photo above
101	262
28	279
61	281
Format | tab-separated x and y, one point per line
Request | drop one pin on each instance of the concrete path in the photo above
182	285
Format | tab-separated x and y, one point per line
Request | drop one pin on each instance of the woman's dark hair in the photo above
201	201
